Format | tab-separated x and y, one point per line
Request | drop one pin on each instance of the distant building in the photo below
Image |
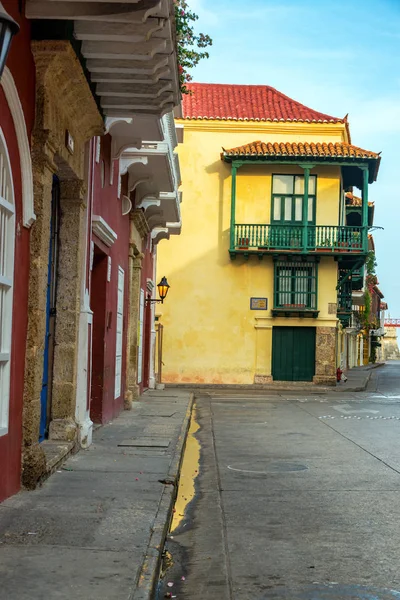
390	346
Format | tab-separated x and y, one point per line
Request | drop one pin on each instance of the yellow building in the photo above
261	275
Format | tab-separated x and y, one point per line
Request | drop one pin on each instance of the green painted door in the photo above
293	353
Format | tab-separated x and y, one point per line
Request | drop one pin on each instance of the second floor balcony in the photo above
263	239
306	213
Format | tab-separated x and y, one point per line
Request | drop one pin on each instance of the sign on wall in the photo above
392	322
258	303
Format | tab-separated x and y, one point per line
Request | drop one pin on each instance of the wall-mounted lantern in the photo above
163	288
8	28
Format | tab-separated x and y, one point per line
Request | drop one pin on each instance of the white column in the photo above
82	413
353	351
152	377
84	362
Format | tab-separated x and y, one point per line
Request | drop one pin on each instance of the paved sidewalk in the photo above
357	378
357	381
96	527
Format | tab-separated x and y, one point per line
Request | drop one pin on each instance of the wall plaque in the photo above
258	303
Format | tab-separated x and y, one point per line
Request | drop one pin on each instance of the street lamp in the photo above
8	28
163	288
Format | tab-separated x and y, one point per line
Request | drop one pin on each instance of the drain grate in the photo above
145	443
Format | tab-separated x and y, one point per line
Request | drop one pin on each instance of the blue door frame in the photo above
50	306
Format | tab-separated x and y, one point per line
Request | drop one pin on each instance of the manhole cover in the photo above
266	468
333	591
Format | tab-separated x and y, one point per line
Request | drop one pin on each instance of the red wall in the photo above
20	63
107	205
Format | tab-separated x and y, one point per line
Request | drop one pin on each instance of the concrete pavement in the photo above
296	498
96	527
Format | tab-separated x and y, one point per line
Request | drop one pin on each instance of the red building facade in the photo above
17	93
108	288
88	185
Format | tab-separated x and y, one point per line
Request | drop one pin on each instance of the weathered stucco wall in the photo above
211	335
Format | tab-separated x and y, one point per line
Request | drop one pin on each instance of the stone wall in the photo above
63	103
390	347
325	356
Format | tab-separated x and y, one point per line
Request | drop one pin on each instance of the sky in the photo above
336	57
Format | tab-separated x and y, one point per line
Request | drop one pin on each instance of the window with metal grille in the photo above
7	238
345	292
295	285
287	199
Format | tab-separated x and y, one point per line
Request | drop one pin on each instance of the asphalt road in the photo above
297	497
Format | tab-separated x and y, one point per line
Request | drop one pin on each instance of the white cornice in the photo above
169	129
103	231
336	130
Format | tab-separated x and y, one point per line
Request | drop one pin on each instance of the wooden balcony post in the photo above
364	196
233	207
305	207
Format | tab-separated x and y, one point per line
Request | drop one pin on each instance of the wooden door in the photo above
293	353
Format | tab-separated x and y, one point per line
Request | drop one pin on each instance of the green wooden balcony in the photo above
314	239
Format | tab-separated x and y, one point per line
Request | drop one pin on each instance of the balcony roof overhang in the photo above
127	48
162	209
352	159
151	169
130	132
351	168
164	233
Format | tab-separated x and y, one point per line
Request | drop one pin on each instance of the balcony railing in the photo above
319	238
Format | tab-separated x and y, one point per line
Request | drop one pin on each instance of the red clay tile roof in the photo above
352	200
308	149
247	103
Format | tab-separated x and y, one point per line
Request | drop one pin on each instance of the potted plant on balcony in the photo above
371	280
295	306
356	240
295	242
264	245
324	245
243	243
